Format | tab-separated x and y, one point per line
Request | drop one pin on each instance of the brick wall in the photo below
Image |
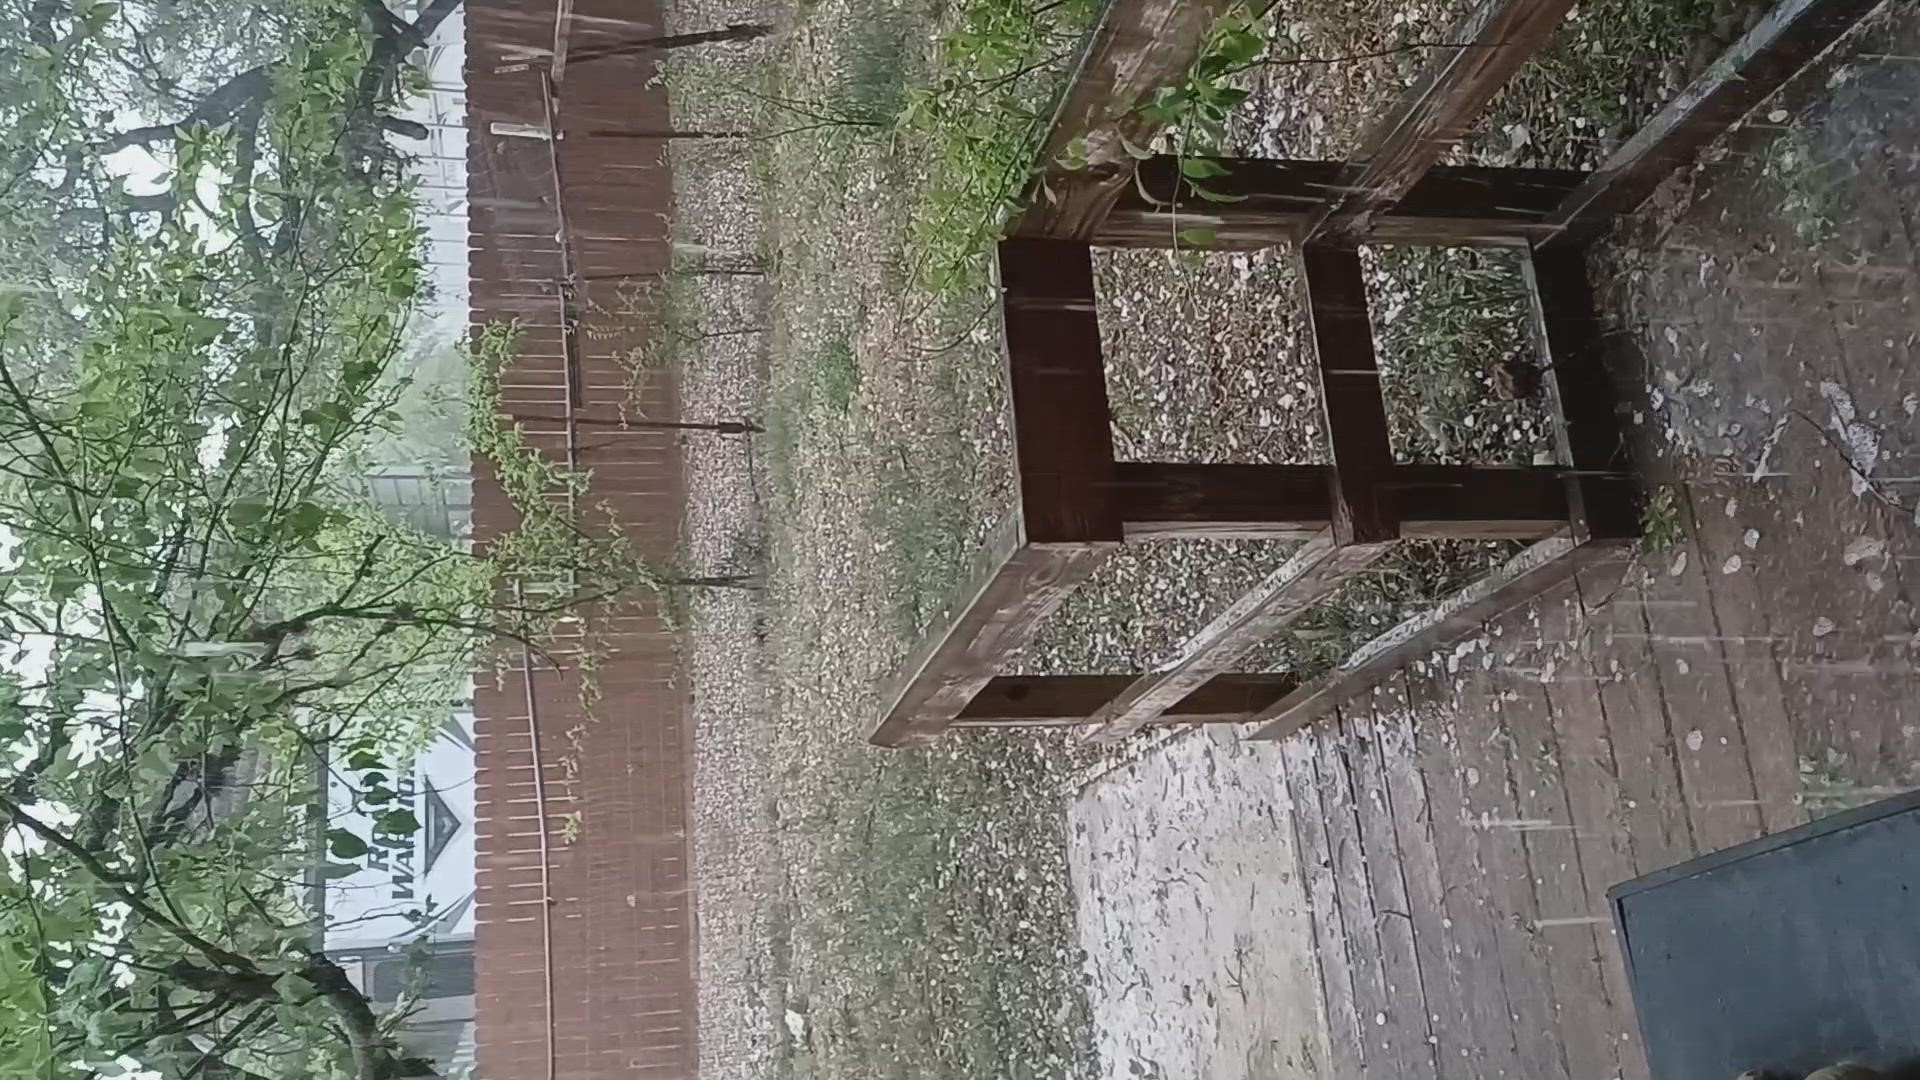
621	916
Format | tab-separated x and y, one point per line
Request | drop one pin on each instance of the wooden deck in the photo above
1458	828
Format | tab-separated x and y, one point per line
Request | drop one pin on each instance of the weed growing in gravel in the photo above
1444	318
1809	184
1661	526
978	118
820	394
938	886
870	76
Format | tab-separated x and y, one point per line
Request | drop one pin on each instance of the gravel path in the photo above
716	220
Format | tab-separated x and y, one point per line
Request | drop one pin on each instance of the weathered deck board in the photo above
1493	817
1300	779
1405	1037
1452	995
1692	680
1659	831
1595	805
1468	909
1745	641
1353	892
1572	914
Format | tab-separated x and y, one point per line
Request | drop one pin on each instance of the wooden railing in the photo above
1076	503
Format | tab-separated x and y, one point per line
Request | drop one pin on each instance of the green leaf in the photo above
1215	196
291	987
1197	237
397	823
361	760
334	871
1134	151
1074	156
342	844
306	519
358	373
1226	98
1239	47
1199	168
249	511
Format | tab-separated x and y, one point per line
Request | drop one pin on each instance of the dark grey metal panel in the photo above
1792	952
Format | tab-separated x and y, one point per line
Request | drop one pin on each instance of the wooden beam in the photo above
1581	400
1170	500
1274	199
1492	43
1785	40
1014	586
1063	436
1136	47
1317	569
1520	580
1363	509
1065	700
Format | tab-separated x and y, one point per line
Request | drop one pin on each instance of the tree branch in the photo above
220	104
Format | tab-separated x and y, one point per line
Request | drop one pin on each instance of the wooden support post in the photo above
1067	700
1013	588
1169	500
1274	199
1307	578
1523	578
1601	494
1786	39
1063	438
1493	42
1363	509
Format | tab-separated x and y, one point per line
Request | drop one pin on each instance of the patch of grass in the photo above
941	895
822	392
1444	318
977	120
1602	75
927	531
1662	526
836	378
870	76
1418	575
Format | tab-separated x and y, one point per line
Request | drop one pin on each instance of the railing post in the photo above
1363	509
1062	431
1601	496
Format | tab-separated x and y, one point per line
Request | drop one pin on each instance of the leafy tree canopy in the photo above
210	276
